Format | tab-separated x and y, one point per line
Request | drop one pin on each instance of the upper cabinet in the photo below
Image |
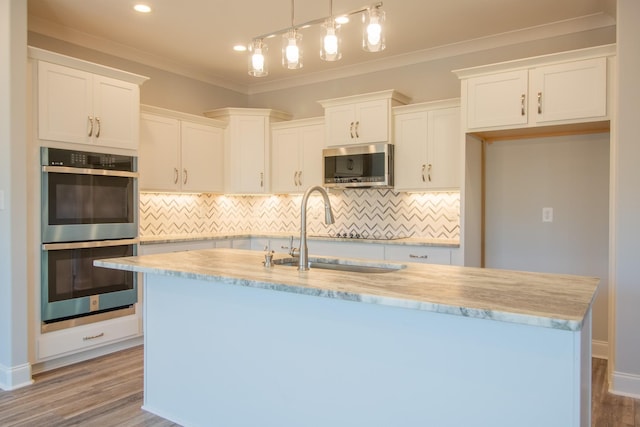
180	152
247	147
85	103
361	119
557	89
428	146
296	155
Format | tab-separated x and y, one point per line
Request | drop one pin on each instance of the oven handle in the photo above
85	245
84	171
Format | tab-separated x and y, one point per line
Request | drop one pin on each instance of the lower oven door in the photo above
72	286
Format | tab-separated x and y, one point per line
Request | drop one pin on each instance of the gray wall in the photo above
163	89
569	174
626	205
14	362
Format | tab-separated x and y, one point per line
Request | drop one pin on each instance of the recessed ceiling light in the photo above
342	19
240	48
142	8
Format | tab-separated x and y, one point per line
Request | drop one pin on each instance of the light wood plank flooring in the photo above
108	392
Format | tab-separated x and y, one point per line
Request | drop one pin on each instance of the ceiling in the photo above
195	37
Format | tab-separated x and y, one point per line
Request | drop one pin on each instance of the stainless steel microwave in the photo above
358	166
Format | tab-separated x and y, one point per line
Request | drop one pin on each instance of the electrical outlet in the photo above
547	214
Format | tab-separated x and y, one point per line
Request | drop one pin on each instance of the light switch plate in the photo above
547	214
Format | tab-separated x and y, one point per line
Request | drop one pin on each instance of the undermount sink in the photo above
341	265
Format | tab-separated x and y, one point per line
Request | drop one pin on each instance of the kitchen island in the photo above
229	342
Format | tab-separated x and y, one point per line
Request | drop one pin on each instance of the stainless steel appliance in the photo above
89	211
358	166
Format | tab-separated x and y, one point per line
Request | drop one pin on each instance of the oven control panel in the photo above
87	160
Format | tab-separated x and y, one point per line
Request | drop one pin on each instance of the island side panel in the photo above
221	354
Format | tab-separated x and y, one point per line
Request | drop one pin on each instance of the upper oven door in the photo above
80	204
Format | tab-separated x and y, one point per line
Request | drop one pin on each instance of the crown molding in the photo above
554	29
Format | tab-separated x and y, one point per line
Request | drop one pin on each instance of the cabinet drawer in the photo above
345	249
422	254
161	248
84	337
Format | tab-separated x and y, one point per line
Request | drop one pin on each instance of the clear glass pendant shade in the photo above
373	35
330	43
292	50
258	59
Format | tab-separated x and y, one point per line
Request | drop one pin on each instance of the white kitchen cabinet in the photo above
82	107
247	147
296	155
346	249
161	248
180	152
421	254
361	119
427	146
565	88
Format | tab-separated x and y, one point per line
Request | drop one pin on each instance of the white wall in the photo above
569	174
15	370
626	206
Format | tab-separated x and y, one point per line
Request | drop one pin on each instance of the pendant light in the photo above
373	30
257	59
330	43
292	46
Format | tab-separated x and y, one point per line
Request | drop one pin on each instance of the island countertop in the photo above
537	299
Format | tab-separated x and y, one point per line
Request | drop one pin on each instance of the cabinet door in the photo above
311	145
372	121
159	153
116	111
497	100
443	149
202	158
285	160
411	134
64	104
247	154
340	123
575	90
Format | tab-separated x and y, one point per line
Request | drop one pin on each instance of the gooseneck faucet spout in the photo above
328	219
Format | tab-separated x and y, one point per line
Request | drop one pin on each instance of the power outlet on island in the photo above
547	214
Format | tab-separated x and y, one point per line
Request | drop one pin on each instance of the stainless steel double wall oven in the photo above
89	211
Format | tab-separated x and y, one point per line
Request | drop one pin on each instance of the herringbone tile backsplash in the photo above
370	213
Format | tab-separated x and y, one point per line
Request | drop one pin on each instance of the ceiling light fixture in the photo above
373	39
292	46
142	8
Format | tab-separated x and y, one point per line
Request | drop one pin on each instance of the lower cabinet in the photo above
193	245
346	249
72	340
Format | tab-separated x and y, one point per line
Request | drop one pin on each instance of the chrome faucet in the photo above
328	219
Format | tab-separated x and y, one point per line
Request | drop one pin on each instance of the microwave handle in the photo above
87	245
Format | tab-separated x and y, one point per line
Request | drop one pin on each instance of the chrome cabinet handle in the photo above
90	125
351	130
429	172
175	175
522	99
261	179
357	126
539	102
184	181
99	127
423	168
419	256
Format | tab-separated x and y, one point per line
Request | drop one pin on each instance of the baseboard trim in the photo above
600	349
14	377
86	355
625	385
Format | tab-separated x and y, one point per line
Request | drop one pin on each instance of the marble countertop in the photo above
544	300
409	241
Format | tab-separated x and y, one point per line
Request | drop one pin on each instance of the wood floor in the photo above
108	392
